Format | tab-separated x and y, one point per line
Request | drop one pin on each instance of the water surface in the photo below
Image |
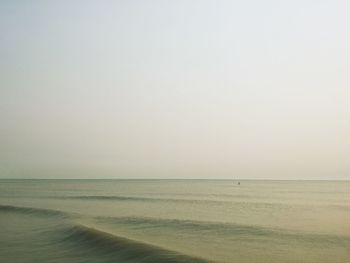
174	221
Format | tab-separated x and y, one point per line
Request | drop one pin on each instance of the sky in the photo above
175	89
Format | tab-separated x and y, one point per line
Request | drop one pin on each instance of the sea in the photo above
151	221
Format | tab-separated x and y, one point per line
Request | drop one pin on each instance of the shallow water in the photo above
174	221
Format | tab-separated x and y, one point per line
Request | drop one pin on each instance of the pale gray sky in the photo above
175	89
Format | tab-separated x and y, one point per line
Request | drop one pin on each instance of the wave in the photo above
221	229
112	197
126	249
217	202
190	225
33	210
227	230
148	199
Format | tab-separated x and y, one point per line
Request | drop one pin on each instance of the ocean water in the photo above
174	221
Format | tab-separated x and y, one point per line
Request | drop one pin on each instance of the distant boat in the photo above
239	183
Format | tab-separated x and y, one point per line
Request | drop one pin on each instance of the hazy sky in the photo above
175	89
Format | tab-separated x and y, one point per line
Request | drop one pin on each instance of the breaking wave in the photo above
239	231
126	249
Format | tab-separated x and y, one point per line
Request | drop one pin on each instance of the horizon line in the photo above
169	179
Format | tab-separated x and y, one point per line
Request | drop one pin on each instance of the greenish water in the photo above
174	221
